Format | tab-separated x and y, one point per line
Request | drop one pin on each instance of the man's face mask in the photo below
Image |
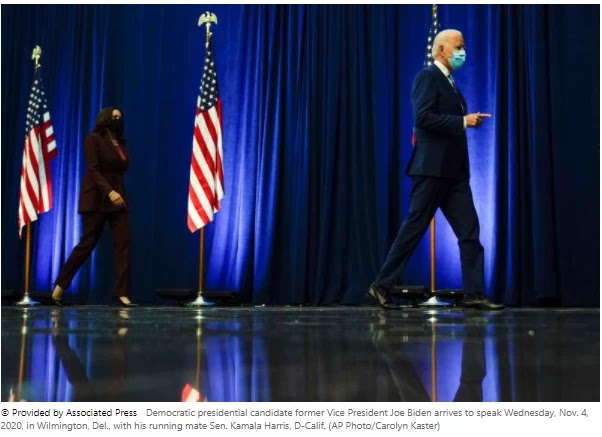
457	59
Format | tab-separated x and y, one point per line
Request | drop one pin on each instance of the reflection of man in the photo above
439	170
407	383
473	364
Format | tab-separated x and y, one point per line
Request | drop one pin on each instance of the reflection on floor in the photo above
299	354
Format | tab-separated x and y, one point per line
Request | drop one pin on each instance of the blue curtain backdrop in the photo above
317	127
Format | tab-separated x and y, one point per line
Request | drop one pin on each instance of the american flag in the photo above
428	56
39	148
206	188
433	31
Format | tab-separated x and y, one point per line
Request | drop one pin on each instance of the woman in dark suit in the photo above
102	199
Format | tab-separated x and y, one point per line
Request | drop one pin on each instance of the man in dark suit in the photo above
439	170
102	199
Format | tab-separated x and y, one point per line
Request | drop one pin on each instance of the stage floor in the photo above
96	353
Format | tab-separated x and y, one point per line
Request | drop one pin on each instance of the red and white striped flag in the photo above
206	188
39	148
428	56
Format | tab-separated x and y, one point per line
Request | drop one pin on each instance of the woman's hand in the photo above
117	199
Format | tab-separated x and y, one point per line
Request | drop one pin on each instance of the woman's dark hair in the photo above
103	120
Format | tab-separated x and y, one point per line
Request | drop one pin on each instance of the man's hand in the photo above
117	199
475	120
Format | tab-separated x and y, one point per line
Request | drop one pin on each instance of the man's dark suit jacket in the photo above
440	138
104	174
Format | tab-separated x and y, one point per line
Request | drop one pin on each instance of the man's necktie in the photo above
451	80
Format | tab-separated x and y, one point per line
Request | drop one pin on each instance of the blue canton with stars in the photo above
208	91
37	106
434	30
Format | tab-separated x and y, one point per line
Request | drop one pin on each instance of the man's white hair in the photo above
441	39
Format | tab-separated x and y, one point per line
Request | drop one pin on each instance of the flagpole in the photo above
433	288
433	360
194	394
197	379
205	19
22	355
27	301
433	301
200	301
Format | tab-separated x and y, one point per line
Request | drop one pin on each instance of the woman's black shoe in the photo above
57	296
123	304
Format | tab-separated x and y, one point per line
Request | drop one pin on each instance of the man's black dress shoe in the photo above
380	296
479	302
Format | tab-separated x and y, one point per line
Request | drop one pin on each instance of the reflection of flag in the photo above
428	57
206	187
190	394
39	148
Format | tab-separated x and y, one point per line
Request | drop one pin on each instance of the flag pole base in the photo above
200	302
27	301
433	301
